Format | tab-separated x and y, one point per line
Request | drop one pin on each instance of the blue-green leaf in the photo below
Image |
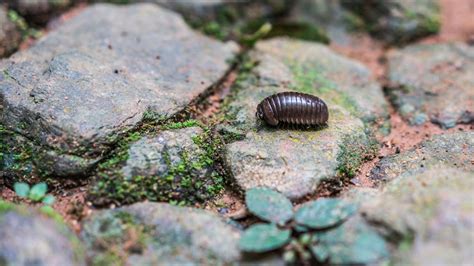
38	191
21	189
48	200
269	205
354	242
263	237
324	213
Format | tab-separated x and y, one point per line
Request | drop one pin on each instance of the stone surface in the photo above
173	165
39	11
330	16
97	76
10	36
431	213
398	21
433	82
295	161
452	150
164	234
30	238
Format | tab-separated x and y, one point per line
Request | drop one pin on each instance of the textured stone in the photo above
398	21
431	212
30	238
452	150
10	36
433	82
99	74
168	235
295	161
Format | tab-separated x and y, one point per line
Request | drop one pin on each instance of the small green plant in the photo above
36	193
319	230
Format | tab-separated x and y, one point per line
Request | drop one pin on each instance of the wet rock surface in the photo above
73	92
163	233
454	150
430	213
30	238
398	21
295	161
10	35
433	83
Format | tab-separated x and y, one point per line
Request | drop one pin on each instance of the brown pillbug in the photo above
293	108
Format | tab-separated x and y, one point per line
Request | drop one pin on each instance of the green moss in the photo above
354	151
310	80
51	213
6	206
432	24
20	23
183	183
178	125
107	258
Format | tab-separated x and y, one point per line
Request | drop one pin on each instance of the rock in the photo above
39	11
329	16
398	21
76	91
433	81
223	19
295	161
31	238
452	150
175	165
151	233
10	36
430	213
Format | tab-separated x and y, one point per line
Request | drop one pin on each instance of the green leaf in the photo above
352	243
269	205
21	189
263	237
324	213
48	200
38	191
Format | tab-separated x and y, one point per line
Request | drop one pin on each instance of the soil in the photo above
457	25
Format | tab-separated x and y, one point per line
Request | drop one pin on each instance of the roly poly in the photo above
293	108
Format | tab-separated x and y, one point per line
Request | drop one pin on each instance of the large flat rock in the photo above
294	161
433	82
99	74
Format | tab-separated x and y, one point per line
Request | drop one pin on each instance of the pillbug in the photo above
293	108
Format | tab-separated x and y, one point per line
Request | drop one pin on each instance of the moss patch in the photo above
187	181
310	80
354	151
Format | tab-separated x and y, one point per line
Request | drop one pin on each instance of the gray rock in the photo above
452	150
161	234
10	35
431	213
98	75
155	155
398	21
433	81
330	16
30	238
295	161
